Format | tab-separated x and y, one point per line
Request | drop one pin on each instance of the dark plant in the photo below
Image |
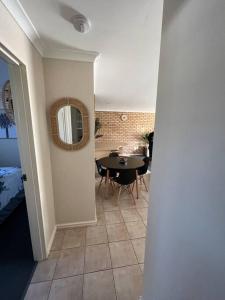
145	137
148	137
98	126
2	185
6	123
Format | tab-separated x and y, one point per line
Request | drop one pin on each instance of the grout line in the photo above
81	274
84	263
114	283
82	297
56	265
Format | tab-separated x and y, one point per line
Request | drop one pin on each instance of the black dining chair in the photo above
102	172
114	154
125	178
143	170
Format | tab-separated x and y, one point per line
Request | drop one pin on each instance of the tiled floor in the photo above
102	262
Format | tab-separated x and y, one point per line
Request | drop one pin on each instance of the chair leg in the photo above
100	184
145	184
111	184
120	189
132	196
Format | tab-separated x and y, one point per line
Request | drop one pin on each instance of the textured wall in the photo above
116	132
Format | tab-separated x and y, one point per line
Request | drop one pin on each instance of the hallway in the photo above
105	261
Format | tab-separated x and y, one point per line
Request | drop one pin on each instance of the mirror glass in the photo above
70	124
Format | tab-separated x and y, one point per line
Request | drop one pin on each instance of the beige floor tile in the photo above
128	282
141	203
99	207
98	199
99	286
38	291
139	249
70	263
58	240
136	229
145	222
45	269
143	212
142	267
100	194
74	238
126	203
117	232
96	235
97	258
70	288
122	254
130	215
113	217
100	219
110	204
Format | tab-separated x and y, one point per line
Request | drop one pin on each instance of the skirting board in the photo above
51	241
77	224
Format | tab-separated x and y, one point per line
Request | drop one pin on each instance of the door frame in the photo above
25	138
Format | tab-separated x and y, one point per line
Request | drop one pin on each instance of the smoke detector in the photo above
81	23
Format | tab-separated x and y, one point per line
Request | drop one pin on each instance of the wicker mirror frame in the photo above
55	128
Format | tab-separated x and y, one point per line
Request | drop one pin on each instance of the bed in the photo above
11	190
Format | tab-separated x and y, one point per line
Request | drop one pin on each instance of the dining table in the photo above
122	163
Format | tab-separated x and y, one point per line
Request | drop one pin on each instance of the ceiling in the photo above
126	33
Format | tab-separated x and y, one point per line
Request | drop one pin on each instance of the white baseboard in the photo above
51	241
76	224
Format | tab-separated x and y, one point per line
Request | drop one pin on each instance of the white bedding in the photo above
12	184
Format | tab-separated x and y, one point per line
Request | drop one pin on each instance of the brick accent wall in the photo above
117	132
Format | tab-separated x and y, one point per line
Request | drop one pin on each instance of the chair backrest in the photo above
113	154
126	177
101	171
144	169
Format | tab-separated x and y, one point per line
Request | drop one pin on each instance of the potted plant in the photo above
2	185
148	139
98	126
5	122
145	137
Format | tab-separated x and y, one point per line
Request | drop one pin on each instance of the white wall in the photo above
126	73
13	38
9	153
73	171
185	252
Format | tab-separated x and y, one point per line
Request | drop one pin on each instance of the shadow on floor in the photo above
16	258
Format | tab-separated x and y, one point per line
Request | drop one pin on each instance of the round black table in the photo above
113	163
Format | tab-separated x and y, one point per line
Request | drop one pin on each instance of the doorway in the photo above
21	232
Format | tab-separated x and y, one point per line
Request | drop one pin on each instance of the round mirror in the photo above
70	124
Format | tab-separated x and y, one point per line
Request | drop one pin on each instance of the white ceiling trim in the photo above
19	14
23	20
71	54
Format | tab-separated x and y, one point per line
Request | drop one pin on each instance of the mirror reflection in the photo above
70	124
